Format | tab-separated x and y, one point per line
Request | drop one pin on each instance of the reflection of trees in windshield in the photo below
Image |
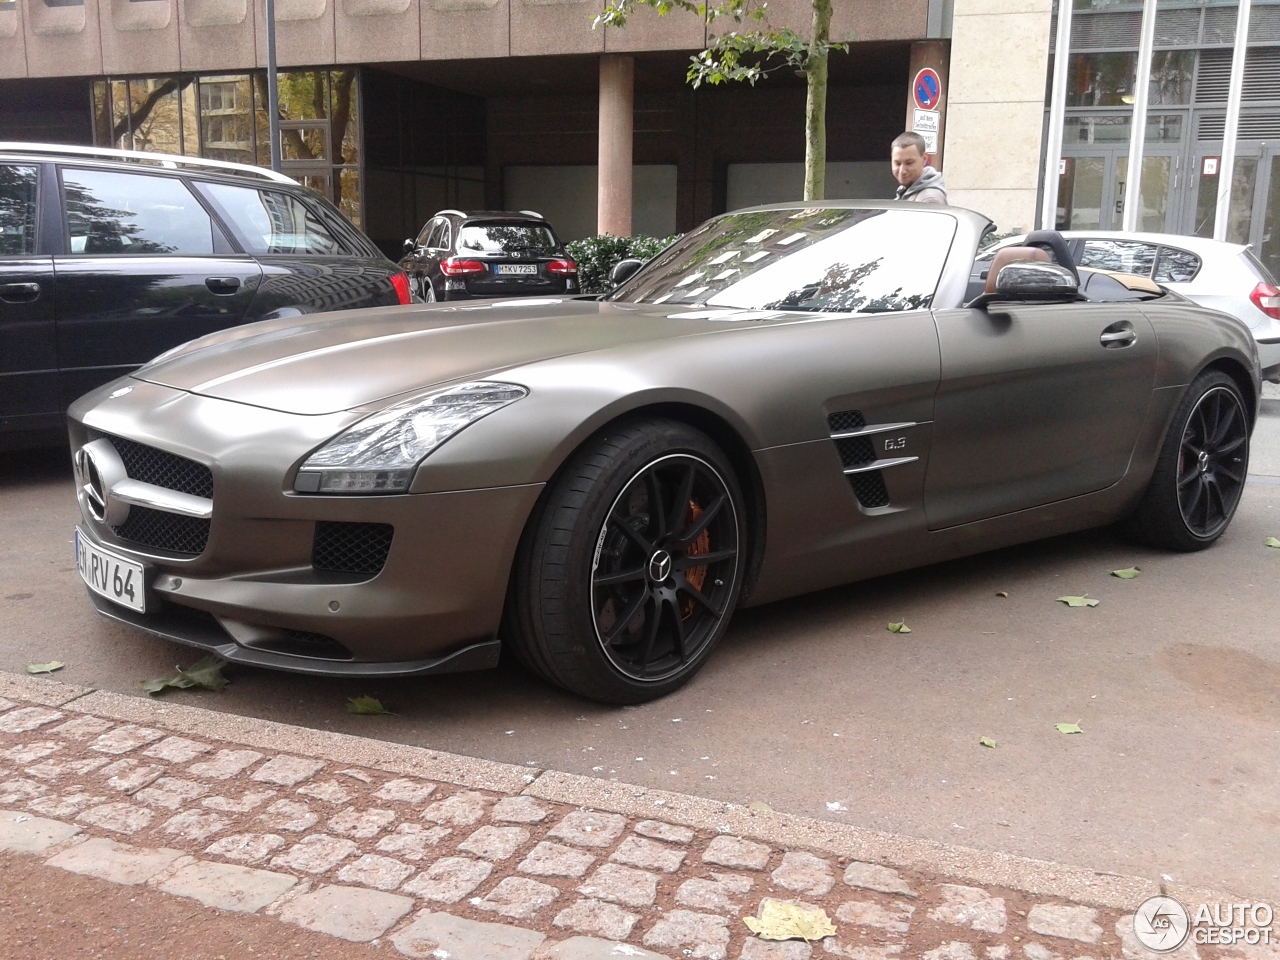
839	260
841	291
512	239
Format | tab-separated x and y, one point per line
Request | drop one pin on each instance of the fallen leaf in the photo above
366	705
1078	601
835	806
205	674
899	627
987	742
759	806
1127	574
1068	728
1272	542
1002	593
49	667
785	920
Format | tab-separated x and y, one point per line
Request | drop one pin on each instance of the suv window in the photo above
439	233
424	238
1119	256
271	221
131	213
1176	266
17	210
517	238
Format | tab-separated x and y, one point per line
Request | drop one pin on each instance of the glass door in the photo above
1266	238
1081	183
1160	169
1202	216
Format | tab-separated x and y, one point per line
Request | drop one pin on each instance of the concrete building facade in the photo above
397	108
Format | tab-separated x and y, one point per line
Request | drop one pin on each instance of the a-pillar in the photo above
617	101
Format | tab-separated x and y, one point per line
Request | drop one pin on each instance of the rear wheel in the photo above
629	573
428	290
1200	474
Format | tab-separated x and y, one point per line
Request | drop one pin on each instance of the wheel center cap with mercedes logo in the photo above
1204	460
659	566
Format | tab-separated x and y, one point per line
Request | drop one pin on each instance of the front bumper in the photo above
253	596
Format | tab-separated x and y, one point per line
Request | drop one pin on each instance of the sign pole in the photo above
273	90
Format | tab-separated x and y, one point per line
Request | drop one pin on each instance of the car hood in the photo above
326	363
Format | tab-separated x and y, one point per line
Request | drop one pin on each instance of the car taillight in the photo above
453	267
1267	299
562	267
401	284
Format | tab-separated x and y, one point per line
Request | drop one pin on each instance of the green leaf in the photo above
1078	601
205	674
1127	574
759	806
987	742
1272	542
899	627
366	705
1068	728
49	667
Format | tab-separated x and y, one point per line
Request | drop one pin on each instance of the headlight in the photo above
380	453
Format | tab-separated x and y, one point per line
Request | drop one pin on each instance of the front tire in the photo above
1200	474
617	599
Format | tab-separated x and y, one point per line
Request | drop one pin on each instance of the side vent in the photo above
867	485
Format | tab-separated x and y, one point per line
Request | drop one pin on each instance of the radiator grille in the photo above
1261	76
165	531
351	547
846	420
164	469
1121	29
1176	28
869	488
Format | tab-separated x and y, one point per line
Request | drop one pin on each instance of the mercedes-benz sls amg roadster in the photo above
787	398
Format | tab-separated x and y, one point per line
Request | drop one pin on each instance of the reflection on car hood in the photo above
326	363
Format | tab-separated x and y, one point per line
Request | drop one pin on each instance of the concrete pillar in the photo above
617	101
936	56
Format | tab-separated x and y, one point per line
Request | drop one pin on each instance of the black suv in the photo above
488	253
110	257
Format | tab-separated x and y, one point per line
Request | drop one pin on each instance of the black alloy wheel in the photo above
1200	473
631	566
664	568
1212	462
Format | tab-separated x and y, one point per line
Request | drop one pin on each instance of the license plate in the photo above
516	269
119	580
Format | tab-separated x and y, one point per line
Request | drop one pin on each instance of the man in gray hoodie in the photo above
916	181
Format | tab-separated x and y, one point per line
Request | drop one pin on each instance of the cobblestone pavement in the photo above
477	861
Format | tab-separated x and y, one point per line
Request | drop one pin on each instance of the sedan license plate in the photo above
516	269
119	580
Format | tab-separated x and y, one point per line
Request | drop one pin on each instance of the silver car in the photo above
1223	276
787	398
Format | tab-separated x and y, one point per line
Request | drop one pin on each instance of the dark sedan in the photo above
488	253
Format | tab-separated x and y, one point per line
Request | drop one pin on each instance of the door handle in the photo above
222	286
1120	337
19	292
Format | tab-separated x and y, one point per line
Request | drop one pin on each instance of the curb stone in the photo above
362	895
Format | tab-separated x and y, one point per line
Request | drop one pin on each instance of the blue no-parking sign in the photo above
927	89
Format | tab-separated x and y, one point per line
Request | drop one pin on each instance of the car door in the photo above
28	346
1037	403
307	265
146	268
415	261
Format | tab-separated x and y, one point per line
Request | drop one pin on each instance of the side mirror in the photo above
624	270
1035	280
408	246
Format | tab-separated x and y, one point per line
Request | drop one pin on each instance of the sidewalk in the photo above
423	854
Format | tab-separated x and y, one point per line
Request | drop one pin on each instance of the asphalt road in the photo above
813	707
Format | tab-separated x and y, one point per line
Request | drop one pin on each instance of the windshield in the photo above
836	260
520	238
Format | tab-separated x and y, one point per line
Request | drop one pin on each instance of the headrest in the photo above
1008	255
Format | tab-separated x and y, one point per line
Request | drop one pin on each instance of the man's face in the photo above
907	165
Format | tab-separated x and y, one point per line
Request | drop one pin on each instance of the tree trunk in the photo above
815	110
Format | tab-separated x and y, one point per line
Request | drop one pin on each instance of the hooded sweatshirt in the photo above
927	188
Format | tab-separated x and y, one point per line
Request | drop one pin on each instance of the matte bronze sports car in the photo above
789	397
